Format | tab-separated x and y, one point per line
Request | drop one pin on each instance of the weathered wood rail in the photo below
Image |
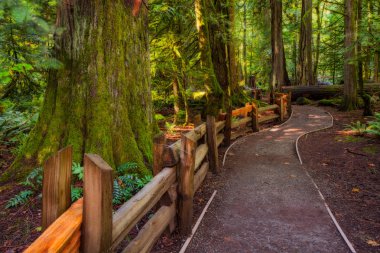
89	225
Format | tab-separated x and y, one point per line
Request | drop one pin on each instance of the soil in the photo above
346	168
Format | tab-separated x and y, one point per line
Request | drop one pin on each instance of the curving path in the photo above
268	203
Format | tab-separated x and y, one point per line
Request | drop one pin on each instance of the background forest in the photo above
163	65
27	29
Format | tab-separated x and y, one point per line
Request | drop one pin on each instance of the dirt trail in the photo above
268	203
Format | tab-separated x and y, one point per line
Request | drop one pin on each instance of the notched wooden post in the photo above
212	144
97	205
56	190
289	97
186	184
159	146
282	109
255	118
228	128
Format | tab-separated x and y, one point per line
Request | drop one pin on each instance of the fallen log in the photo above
318	92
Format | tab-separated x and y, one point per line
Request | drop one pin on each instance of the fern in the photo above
34	179
19	199
117	193
76	193
126	167
374	126
358	127
77	171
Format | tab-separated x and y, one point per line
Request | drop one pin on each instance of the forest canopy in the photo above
203	55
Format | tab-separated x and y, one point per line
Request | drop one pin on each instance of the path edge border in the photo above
338	227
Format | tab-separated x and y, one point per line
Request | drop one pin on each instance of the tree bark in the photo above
359	49
305	64
245	64
212	86
100	101
279	75
350	74
318	40
376	59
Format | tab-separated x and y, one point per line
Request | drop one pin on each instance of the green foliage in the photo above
25	43
169	127
125	186
34	179
159	117
20	199
34	184
374	126
14	125
303	101
77	171
330	102
357	126
76	193
126	168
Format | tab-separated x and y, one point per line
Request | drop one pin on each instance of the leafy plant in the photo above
125	186
34	179
77	171
76	193
169	127
374	126
20	199
358	127
126	168
34	182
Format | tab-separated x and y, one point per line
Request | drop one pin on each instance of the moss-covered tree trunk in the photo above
213	89
279	74
222	48
350	74
305	68
100	101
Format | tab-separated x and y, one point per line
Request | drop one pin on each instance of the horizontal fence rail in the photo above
179	169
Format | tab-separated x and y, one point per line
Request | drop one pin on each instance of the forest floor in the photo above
354	195
346	168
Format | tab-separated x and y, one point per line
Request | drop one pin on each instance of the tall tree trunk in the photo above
376	58
305	64
350	82
359	48
213	89
100	101
245	64
232	59
279	75
178	100
318	40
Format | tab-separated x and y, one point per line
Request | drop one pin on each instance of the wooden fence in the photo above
89	224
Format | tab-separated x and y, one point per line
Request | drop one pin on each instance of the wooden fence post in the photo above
289	97
212	145
227	128
186	184
282	112
56	192
97	205
159	145
255	118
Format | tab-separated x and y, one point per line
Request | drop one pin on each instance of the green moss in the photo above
100	102
349	139
330	102
371	149
303	101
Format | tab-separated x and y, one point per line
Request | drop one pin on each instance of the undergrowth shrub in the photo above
126	184
374	126
357	126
